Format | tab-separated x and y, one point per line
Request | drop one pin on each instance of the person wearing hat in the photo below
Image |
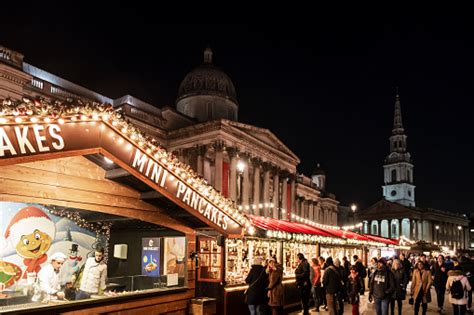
47	284
381	287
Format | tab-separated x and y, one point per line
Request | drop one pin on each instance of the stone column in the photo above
256	185
246	184
293	194
284	196
389	228
232	153
218	156
311	210
266	167
201	152
276	194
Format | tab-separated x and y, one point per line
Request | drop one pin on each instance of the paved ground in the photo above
369	309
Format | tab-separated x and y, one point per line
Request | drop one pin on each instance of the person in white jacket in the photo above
459	304
93	276
47	285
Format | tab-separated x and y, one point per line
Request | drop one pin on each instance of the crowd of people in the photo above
327	284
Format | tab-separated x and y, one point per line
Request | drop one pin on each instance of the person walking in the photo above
401	281
458	287
382	287
275	287
303	282
332	284
355	288
323	265
405	264
315	277
341	295
257	279
440	277
420	287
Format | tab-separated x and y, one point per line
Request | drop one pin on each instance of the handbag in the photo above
246	290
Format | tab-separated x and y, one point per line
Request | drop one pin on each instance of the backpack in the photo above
361	270
457	290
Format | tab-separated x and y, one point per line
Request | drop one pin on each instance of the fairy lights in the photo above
73	110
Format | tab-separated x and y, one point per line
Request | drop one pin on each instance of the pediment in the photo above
265	136
384	207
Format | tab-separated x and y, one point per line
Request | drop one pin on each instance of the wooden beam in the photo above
151	195
116	173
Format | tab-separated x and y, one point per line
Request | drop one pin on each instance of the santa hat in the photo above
26	221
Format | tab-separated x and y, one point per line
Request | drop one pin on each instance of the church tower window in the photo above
394	176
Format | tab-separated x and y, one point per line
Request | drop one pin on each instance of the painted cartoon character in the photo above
32	232
71	266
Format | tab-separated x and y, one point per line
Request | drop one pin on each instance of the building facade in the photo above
397	215
246	163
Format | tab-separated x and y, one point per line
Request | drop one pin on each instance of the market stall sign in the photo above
25	142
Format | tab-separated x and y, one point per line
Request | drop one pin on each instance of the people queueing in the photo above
303	282
361	270
382	287
406	265
341	295
420	287
458	287
315	277
275	286
440	277
323	265
257	279
332	285
401	282
355	288
47	285
93	276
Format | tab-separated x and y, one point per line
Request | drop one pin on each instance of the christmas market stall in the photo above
75	178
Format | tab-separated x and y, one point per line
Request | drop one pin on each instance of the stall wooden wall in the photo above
78	183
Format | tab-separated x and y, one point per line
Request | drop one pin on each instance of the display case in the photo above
290	252
210	260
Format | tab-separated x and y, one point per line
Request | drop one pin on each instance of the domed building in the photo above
207	93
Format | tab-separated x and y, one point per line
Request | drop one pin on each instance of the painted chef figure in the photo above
47	284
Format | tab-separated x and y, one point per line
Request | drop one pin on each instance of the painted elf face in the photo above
33	245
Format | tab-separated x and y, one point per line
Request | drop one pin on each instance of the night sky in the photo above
326	88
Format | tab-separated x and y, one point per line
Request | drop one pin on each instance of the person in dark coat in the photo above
406	265
355	288
257	279
440	277
401	282
332	285
303	282
382	287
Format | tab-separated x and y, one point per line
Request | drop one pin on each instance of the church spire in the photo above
397	118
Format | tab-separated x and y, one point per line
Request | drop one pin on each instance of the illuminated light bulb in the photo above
247	207
105	117
120	140
95	117
129	146
114	123
269	233
171	178
254	207
47	120
148	150
124	130
189	180
251	230
266	204
34	119
240	207
141	143
83	117
73	118
3	120
61	121
164	160
18	120
108	160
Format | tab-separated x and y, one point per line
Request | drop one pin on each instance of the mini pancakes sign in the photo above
32	128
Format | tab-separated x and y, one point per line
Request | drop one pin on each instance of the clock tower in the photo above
398	168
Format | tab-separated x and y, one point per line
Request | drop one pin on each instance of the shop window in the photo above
139	257
210	260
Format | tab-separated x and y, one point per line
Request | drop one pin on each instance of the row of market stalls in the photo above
74	176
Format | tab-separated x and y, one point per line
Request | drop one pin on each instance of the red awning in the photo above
346	234
380	239
286	226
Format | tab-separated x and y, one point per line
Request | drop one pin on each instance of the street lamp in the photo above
353	207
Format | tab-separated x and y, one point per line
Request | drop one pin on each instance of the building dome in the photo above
207	93
318	170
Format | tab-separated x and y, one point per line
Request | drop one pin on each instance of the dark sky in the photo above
325	87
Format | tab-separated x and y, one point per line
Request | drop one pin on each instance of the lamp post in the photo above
437	233
353	209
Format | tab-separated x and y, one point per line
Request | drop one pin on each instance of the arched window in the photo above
394	176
